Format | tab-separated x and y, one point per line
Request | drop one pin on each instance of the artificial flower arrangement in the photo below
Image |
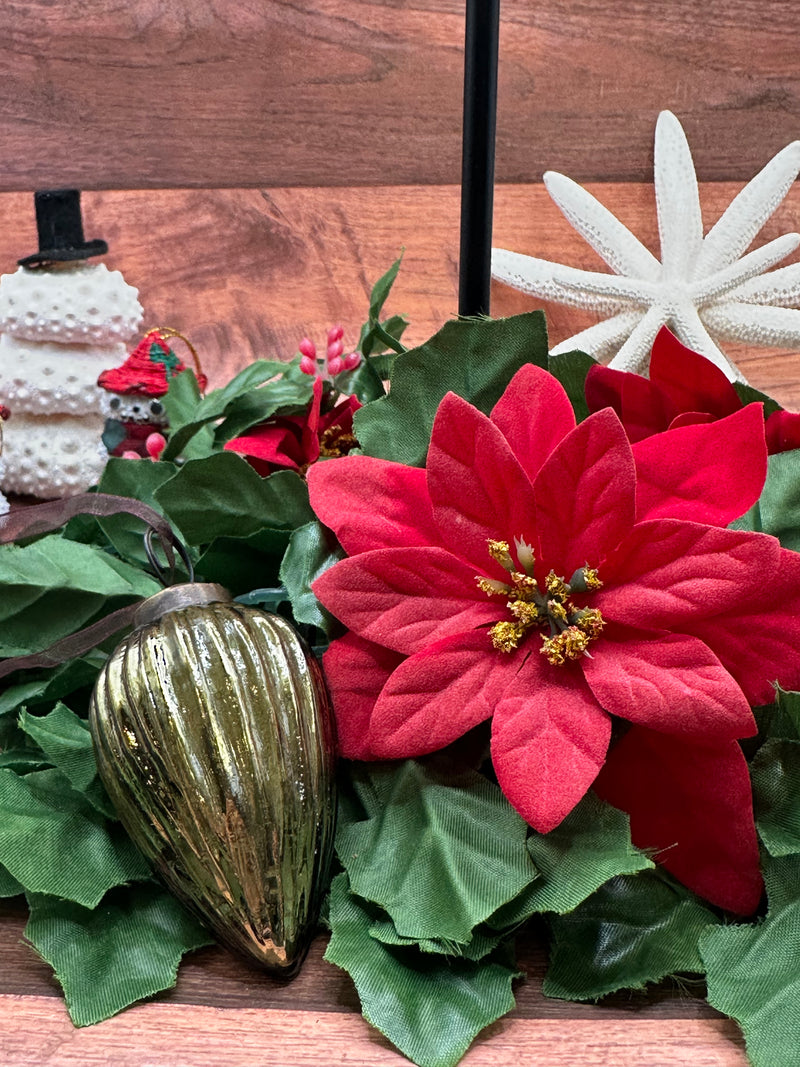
558	610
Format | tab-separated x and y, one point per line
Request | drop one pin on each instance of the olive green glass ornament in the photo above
214	739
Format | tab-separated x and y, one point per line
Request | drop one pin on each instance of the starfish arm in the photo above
613	241
603	339
779	287
680	223
747	212
755	324
553	281
690	328
635	353
749	266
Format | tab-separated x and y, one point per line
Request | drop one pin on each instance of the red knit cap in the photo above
147	371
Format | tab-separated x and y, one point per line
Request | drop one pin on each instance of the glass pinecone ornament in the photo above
214	739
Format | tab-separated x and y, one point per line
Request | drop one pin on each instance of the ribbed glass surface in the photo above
214	740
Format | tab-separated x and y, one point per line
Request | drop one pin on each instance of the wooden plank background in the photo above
255	165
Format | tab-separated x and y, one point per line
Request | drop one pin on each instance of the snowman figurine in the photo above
62	320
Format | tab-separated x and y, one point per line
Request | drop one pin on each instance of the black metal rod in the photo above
477	161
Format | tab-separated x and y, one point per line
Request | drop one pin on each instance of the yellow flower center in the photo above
550	609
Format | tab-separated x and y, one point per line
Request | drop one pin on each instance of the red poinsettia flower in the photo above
683	388
294	442
550	576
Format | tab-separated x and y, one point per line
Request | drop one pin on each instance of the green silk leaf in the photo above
223	496
110	957
312	550
53	841
482	942
189	413
775	772
53	587
777	511
475	358
66	742
56	683
439	852
571	368
753	971
140	480
9	886
748	395
430	1006
590	846
635	929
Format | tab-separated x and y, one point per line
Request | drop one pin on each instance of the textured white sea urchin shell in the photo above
704	288
59	329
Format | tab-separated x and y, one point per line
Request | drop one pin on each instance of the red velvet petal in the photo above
356	671
705	473
477	486
549	739
439	694
272	445
667	571
406	598
534	414
783	431
585	495
310	436
690	803
373	503
759	643
640	404
689	380
669	682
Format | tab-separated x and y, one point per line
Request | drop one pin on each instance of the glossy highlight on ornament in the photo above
214	739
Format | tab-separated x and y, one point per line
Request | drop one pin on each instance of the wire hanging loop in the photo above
166	333
166	577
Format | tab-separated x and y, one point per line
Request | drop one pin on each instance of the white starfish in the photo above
704	288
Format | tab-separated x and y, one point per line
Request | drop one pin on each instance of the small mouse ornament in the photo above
135	410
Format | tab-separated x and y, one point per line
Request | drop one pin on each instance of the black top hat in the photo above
58	220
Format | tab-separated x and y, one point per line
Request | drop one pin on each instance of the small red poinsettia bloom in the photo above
683	388
294	442
551	576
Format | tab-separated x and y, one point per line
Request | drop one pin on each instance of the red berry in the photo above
335	366
155	445
308	365
352	360
307	348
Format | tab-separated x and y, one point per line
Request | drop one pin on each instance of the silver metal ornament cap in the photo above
176	597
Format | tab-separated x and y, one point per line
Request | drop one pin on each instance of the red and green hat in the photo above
149	368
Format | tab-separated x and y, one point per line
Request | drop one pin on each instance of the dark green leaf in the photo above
66	742
482	942
475	358
53	685
429	1006
52	842
9	886
312	550
53	587
223	496
748	395
439	852
571	368
127	948
362	382
188	412
284	395
140	480
633	930
238	563
775	772
590	846
753	972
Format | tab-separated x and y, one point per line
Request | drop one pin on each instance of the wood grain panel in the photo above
246	273
257	93
36	1032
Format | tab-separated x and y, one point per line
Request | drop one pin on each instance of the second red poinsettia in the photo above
294	442
554	578
683	388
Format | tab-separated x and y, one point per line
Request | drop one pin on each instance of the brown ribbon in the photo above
43	518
